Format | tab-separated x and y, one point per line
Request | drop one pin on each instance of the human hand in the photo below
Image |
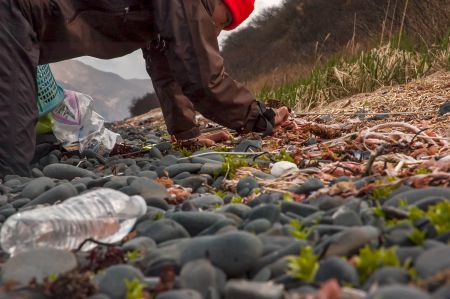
281	115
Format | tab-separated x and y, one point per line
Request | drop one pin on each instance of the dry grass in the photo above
366	72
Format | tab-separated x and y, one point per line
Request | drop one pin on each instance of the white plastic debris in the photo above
282	168
77	125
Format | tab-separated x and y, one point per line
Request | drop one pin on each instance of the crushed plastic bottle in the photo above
103	214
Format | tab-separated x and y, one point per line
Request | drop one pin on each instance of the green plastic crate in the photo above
50	94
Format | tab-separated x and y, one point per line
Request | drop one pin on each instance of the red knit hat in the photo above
240	11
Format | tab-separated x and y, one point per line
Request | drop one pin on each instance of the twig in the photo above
96	242
372	159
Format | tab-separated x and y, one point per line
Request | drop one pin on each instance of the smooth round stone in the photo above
155	153
173	170
416	195
99	296
351	240
235	252
8	212
182	176
201	275
268	212
339	269
66	172
399	235
217	227
157	203
433	261
388	276
443	292
142	244
247	145
13	183
326	203
112	282
193	182
207	201
246	185
162	230
266	198
211	168
148	189
308	186
148	174
180	294
37	264
292	248
409	253
258	226
297	208
58	193
36	187
348	218
195	222
238	209
397	292
37	173
243	289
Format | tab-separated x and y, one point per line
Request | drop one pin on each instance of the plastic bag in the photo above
78	126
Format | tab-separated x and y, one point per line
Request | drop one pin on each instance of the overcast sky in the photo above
132	66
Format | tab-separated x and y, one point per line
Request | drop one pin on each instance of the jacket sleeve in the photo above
194	58
178	111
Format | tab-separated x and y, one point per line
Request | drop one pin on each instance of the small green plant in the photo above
417	237
299	231
305	266
370	259
220	193
288	197
423	171
135	289
231	165
237	199
383	192
439	216
158	216
133	255
284	156
52	277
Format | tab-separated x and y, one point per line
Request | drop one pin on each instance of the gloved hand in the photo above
270	118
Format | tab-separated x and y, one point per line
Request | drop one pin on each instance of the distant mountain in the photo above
112	94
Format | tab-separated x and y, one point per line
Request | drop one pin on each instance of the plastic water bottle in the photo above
105	215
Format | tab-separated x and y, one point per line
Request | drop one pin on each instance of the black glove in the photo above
266	120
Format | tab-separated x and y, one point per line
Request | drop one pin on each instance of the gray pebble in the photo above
66	172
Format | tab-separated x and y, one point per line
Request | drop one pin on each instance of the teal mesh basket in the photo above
50	94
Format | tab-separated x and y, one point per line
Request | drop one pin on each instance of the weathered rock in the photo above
351	240
243	289
397	292
58	193
36	187
433	261
162	230
65	172
201	275
112	281
235	253
37	264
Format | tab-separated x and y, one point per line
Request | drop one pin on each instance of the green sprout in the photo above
439	216
370	259
383	192
417	237
305	266
237	199
423	170
299	231
133	255
52	277
284	156
288	197
231	165
135	289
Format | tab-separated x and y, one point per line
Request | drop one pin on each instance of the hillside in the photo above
112	94
287	42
